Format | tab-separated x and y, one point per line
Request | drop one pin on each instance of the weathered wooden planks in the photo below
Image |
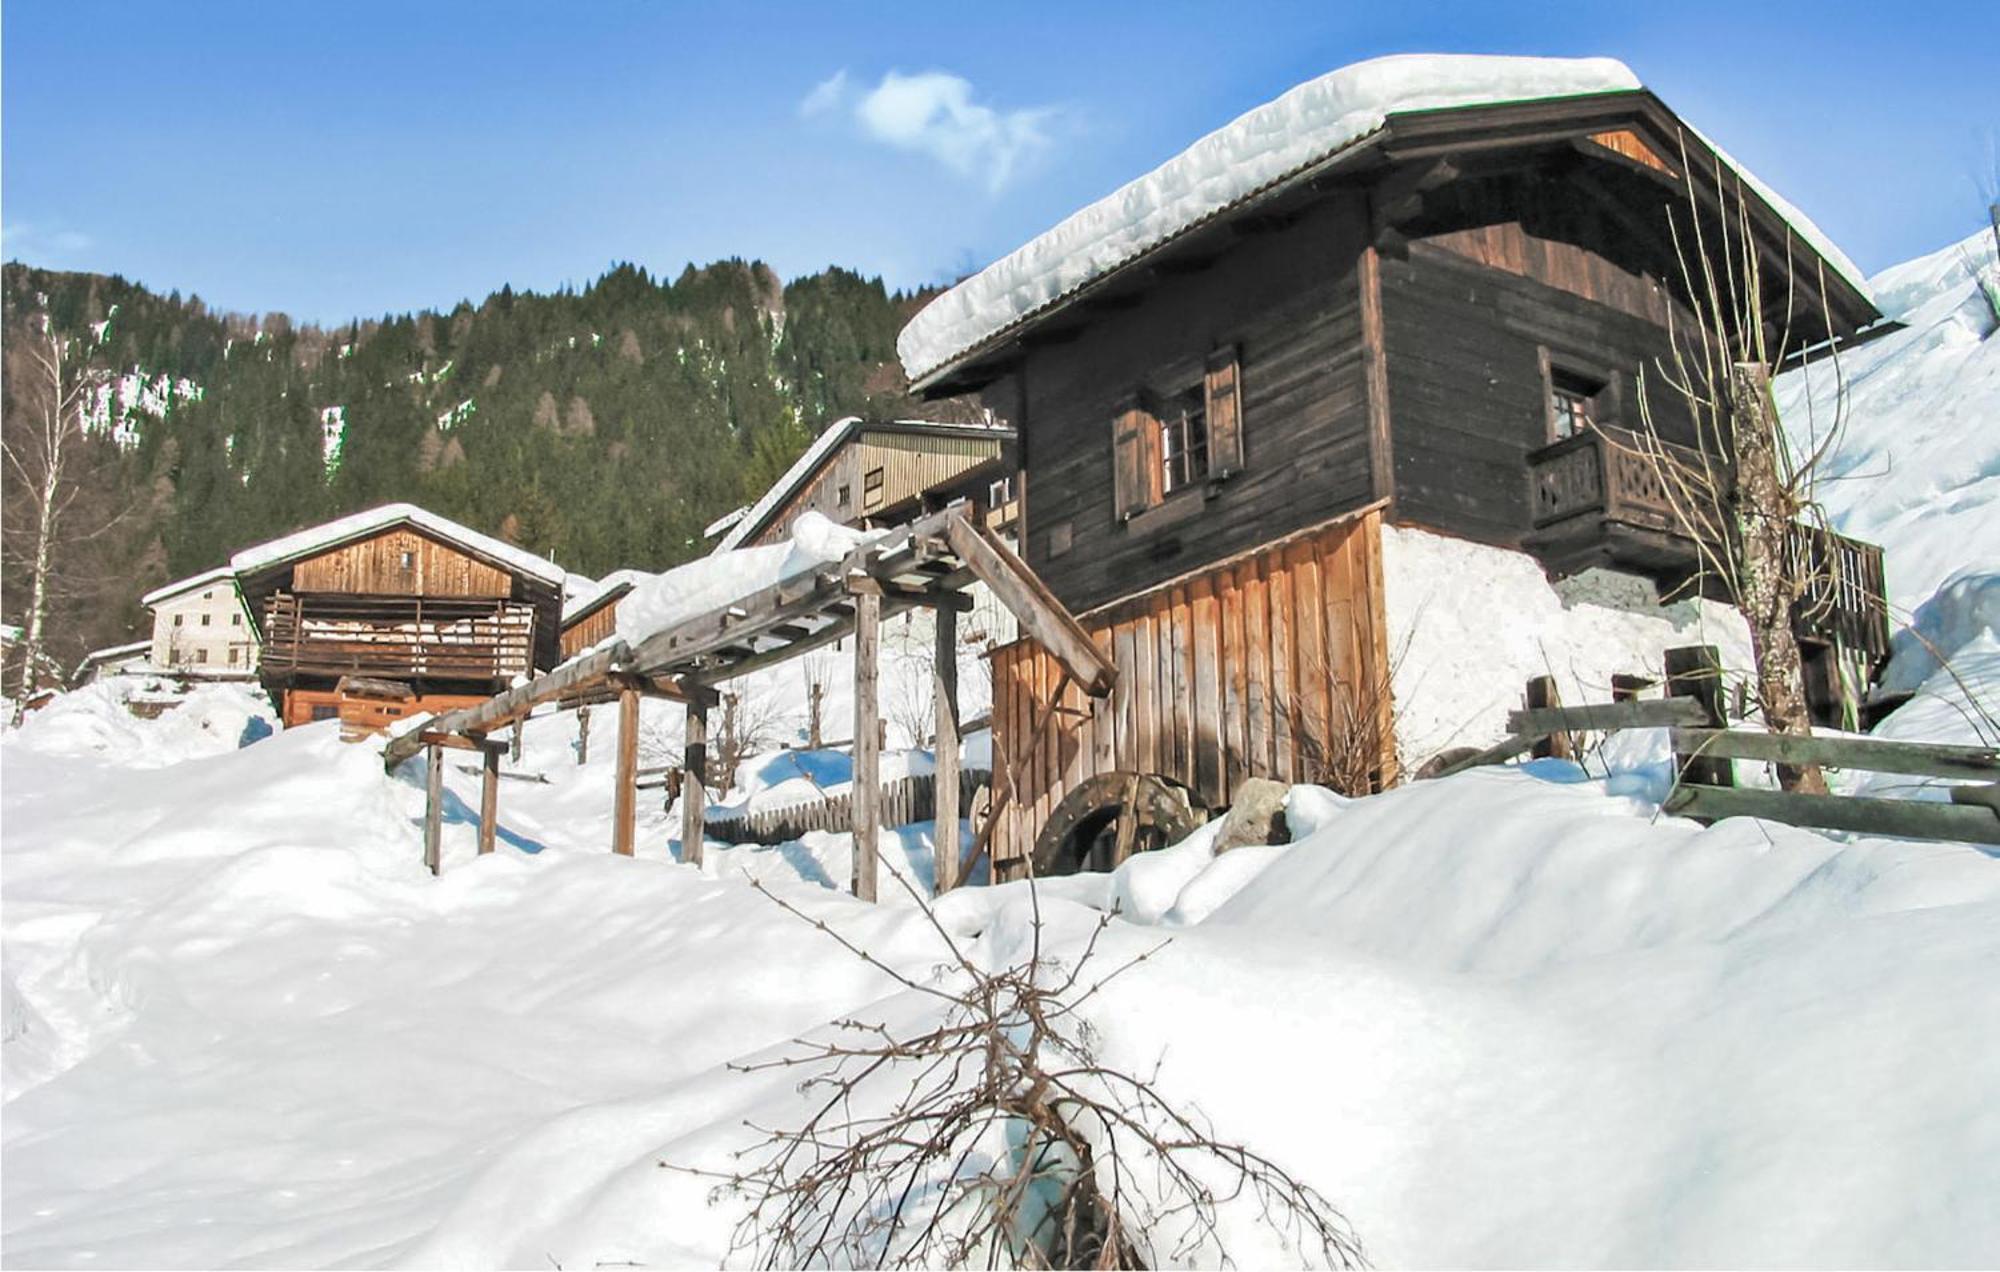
1233	672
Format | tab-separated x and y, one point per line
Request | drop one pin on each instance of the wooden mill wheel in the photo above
1106	818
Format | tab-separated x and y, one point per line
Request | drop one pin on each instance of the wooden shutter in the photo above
1134	441
1224	383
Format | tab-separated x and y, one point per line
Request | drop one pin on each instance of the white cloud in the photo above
827	95
933	113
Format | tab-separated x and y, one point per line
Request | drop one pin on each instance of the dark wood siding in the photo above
1465	347
1288	299
374	566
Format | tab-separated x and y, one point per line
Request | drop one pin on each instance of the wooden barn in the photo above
592	615
884	473
394	612
1423	308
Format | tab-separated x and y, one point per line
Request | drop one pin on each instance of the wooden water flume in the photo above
928	564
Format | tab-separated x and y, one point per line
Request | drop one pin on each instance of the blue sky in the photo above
334	161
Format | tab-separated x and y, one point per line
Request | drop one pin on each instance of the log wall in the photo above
1235	671
374	566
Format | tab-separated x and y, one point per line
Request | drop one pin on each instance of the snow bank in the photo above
1469	625
660	601
1306	126
342	529
1508	1018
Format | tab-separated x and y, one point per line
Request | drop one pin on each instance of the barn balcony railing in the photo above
398	637
1606	472
1599	498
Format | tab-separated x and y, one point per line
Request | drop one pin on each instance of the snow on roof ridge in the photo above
607	585
1305	126
168	590
724	521
805	463
341	529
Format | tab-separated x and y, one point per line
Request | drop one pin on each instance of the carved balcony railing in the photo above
398	637
1600	498
1608	473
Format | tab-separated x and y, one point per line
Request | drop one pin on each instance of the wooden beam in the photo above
694	777
1040	614
1542	694
503	709
867	741
944	686
489	800
1375	374
1602	717
1874	755
458	741
625	795
1919	819
434	809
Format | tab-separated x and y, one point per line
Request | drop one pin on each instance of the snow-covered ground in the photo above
1514	1017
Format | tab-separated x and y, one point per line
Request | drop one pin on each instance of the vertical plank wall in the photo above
1219	674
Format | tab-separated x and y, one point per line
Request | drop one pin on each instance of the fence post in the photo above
944	748
866	818
1695	671
434	808
694	775
1542	693
625	794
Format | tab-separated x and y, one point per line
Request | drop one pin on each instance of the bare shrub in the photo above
1005	1141
1345	739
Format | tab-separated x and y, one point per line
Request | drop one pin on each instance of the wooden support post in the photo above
625	797
1542	693
867	735
583	735
434	808
1695	671
694	777
945	747
489	799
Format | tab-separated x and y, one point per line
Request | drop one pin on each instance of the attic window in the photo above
846	499
871	489
1576	403
407	559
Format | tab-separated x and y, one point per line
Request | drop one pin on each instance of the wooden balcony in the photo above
1598	500
432	640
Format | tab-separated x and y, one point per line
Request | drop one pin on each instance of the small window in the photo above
233	651
1576	403
201	655
325	711
236	620
1000	492
408	559
871	489
1183	440
208	596
846	498
205	618
178	618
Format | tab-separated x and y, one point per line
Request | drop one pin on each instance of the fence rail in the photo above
905	800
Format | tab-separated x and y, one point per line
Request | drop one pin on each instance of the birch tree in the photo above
44	448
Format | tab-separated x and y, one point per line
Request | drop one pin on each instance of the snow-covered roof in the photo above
802	469
112	653
168	591
613	584
1302	129
341	530
724	521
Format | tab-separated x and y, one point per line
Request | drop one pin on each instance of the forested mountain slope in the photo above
602	427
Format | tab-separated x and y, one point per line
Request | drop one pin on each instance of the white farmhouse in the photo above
200	627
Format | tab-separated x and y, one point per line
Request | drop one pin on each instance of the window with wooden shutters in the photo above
1224	385
1135	462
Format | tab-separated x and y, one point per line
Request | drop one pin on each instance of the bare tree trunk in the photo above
39	458
1765	582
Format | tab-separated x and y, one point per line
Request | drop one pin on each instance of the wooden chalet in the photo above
1438	322
592	615
395	612
885	473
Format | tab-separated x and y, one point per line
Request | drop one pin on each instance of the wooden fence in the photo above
1705	750
905	800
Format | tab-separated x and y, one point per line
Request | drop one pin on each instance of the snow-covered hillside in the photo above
1917	464
1513	1017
